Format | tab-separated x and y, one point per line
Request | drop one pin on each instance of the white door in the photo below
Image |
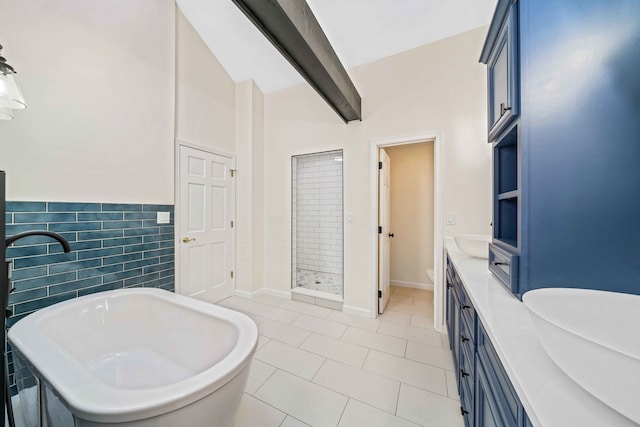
206	234
384	234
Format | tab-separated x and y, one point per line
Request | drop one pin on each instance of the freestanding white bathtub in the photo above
137	357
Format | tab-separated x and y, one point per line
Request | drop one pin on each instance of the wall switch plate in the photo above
451	218
349	217
163	218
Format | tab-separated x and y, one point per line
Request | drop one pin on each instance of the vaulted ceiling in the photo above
360	31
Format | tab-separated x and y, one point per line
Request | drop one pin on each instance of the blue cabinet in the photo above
502	74
566	174
487	397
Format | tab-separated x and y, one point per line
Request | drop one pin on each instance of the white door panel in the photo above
384	221
206	238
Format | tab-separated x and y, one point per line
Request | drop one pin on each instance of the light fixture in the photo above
10	95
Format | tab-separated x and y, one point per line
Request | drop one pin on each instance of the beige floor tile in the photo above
428	409
258	374
262	310
403	299
419	309
308	309
292	422
423	294
395	317
308	402
320	326
418	374
254	413
282	332
421	321
293	360
421	335
262	340
338	350
358	414
452	386
356	321
444	340
366	387
401	290
381	342
431	355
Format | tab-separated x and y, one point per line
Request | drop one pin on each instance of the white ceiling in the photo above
360	31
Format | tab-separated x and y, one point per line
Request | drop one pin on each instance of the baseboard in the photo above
357	311
276	293
416	285
246	294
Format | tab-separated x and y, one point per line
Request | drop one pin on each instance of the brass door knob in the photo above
187	240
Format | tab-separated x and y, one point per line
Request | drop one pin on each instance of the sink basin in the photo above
593	337
475	245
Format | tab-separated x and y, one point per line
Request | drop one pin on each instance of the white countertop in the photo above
549	397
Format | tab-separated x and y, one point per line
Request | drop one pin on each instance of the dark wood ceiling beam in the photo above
293	29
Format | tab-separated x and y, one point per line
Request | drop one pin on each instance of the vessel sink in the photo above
475	245
593	337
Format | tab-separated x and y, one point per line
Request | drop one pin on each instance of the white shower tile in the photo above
254	413
359	414
341	351
374	340
293	360
407	371
321	326
428	409
308	402
366	387
282	332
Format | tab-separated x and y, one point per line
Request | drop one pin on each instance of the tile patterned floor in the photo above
319	367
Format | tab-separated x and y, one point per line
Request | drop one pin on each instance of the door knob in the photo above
187	240
391	234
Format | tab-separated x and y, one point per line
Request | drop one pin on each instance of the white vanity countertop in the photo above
549	397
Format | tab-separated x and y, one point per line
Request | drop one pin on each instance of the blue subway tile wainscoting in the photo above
113	246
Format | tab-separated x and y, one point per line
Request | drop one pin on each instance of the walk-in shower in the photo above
317	227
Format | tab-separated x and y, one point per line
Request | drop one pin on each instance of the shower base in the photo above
319	281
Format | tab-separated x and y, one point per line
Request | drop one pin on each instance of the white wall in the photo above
411	213
205	94
98	77
436	87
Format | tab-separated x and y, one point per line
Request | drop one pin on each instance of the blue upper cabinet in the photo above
500	53
566	142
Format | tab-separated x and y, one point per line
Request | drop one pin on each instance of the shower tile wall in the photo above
317	214
113	246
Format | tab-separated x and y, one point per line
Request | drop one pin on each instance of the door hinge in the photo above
233	172
232	274
379	294
231	224
379	229
379	165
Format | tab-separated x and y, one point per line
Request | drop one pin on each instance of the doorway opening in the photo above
407	208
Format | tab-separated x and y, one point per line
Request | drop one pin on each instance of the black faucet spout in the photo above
59	238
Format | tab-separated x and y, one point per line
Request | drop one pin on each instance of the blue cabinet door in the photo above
486	408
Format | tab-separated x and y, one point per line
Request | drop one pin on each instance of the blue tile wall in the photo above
113	246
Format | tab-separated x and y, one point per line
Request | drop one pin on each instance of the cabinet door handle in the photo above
449	285
463	338
465	306
503	109
463	373
463	412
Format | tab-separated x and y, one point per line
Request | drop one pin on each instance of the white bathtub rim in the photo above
92	399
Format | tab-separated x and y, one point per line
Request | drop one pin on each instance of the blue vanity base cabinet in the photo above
578	144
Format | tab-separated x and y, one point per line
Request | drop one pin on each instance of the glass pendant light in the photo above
10	95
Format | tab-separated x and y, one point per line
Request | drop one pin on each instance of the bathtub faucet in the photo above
59	238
